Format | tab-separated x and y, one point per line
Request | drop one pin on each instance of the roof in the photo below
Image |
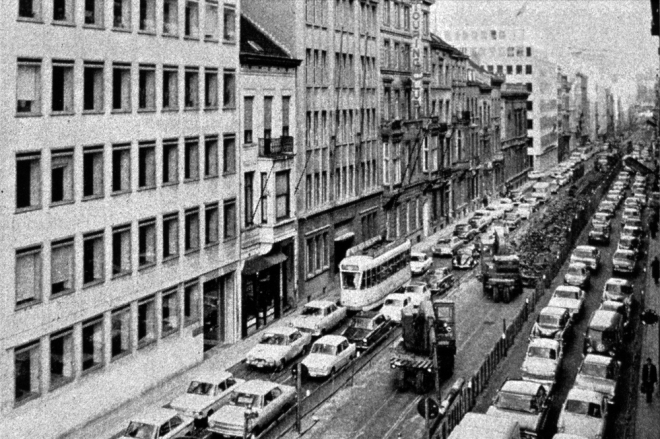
544	343
521	387
553	311
284	330
617	281
603	319
577	264
211	376
579	394
439	43
256	387
155	415
256	47
598	359
331	339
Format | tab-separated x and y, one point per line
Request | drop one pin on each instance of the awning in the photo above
344	236
261	263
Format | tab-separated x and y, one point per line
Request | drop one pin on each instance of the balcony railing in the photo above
276	147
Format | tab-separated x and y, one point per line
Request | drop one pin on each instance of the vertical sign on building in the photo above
417	73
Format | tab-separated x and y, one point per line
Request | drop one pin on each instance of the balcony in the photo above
277	148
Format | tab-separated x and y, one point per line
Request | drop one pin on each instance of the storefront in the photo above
217	295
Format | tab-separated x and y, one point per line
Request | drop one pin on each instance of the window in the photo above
191	88
191	302
170	17
63	11
121	250
211	156
170	312
147	165
210	88
519	69
61	176
509	70
282	195
211	21
386	163
93	87
286	103
528	69
62	87
229	217
406	17
147	243
28	86
529	51
120	332
317	253
500	69
268	117
121	87
191	29
211	224
263	198
147	88
229	154
121	14
93	258
170	161
148	16
94	13
93	172
191	159
229	89
192	230
121	168
62	362
229	34
529	86
530	105
249	198
28	180
530	124
170	235
62	272
170	88
425	154
92	344
146	328
27	372
28	276
30	9
248	103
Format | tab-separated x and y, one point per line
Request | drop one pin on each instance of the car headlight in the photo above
365	341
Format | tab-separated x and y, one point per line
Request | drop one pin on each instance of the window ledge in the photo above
60	383
233	238
229	107
122	29
317	273
27	209
120	356
121	274
191	180
146	267
27	305
146	188
190	322
146	110
167	35
231	42
190	38
62	294
39	114
121	192
94	26
62	113
169	110
211	40
249	145
63	23
91	369
211	245
169	332
26	399
191	251
151	33
170	258
120	111
170	183
213	108
92	197
62	203
211	177
30	20
146	343
93	112
228	173
93	283
191	109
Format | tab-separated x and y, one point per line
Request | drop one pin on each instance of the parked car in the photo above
584	413
447	246
417	291
494	211
266	400
525	210
367	328
600	234
631	243
543	362
158	423
632	203
505	204
618	290
570	298
480	222
602	217
277	346
601	374
552	322
328	355
623	262
619	308
465	232
205	394
319	316
420	263
577	275
629	212
440	280
525	402
588	255
512	220
605	333
607	207
632	227
393	305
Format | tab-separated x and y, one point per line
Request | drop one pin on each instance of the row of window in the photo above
347	124
248	117
316	13
377	275
282	197
156	162
405	218
318	253
172	87
510	69
397	15
317	70
129	328
80	261
398	56
484	35
199	20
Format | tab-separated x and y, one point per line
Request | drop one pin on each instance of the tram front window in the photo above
349	281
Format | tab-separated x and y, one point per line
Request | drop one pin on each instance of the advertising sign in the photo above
417	49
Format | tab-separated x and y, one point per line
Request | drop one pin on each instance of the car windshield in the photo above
444	241
549	321
581	253
584	408
417	258
322	348
600	216
600	229
140	430
349	281
618	288
626	242
274	339
596	370
200	388
312	311
575	271
394	302
415	289
243	399
625	255
515	401
539	352
633	222
362	323
566	294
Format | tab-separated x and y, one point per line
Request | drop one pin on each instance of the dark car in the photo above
440	280
464	261
600	234
367	329
466	232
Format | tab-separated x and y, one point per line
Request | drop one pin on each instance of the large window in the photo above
121	168
93	258
28	276
146	327
229	219
170	235
191	88
28	180
170	312
170	161
148	16
120	332
62	360
191	29
317	253
211	156
248	103
191	159
62	87
229	89
147	243
229	154
192	230
61	176
229	33
93	172
170	17
191	303
211	224
210	88
147	165
63	11
211	21
28	86
94	13
62	271
93	87
121	250
121	87
27	372
29	9
170	88
92	344
121	14
282	195
147	87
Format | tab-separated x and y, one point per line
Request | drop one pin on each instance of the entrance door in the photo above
214	313
340	251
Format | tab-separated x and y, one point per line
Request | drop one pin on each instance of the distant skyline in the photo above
613	36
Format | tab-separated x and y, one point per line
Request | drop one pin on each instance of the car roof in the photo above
396	296
611	305
256	387
418	254
585	247
579	394
155	416
415	283
331	339
212	376
602	318
553	310
521	387
624	251
284	330
544	343
617	281
568	288
598	359
367	314
577	264
319	303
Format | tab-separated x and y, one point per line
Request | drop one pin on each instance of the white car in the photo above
158	423
394	304
618	290
319	316
535	175
599	373
205	394
505	204
525	210
328	354
570	298
447	246
588	255
577	275
495	211
417	291
420	263
277	346
542	362
265	400
584	413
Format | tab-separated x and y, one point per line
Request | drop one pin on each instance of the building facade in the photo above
120	208
514	135
564	105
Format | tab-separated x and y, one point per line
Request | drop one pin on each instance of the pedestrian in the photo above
655	269
653	226
649	378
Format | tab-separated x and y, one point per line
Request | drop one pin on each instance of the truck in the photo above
425	353
500	269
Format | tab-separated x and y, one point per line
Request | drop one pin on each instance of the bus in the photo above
371	271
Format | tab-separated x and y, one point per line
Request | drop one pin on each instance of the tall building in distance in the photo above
120	204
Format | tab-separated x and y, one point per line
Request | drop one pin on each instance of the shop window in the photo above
29	9
62	360
62	87
93	258
211	224
170	161
27	372
61	176
211	156
192	230
92	344
192	88
282	195
229	154
170	310
28	276
121	14
146	327
191	29
121	168
171	236
229	34
147	88
211	21
93	87
170	17
191	159
28	86
94	13
147	243
210	88
229	218
148	16
147	165
121	87
120	332
229	89
121	250
62	271
191	303
28	180
170	88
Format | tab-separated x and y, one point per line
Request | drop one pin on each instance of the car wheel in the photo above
280	365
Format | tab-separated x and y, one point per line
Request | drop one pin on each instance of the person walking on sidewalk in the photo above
649	378
655	269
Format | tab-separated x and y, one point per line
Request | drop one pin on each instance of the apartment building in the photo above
514	135
268	144
337	185
579	110
564	133
120	208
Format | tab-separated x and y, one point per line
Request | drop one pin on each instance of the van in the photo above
605	333
541	191
480	426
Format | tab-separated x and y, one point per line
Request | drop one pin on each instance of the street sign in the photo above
434	407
